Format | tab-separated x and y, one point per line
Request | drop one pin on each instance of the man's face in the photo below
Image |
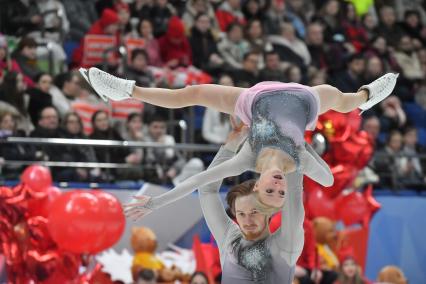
157	129
315	35
49	119
273	61
387	15
251	222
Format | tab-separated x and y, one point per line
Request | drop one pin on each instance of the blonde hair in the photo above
392	274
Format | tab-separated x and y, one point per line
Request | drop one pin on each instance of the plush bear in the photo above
326	237
144	244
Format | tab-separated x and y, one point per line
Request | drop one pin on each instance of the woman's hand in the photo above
237	135
138	209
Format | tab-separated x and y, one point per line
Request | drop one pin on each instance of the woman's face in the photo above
271	187
44	83
7	123
135	125
73	125
203	23
332	8
30	52
146	29
101	121
255	30
349	268
380	44
199	279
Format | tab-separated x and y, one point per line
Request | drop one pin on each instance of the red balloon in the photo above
74	222
41	206
112	216
352	208
37	178
319	204
86	221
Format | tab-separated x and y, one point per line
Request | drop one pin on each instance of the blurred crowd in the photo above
232	42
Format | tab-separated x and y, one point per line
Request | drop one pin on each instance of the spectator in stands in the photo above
39	95
412	170
349	272
13	152
12	94
371	125
165	165
352	77
146	276
370	25
387	162
108	24
408	60
151	46
388	28
391	274
73	129
174	46
81	15
249	74
403	6
229	12
354	31
134	132
318	49
193	10
25	60
413	26
199	277
254	10
159	14
216	125
272	70
102	130
22	17
233	47
378	47
123	12
277	14
203	44
138	69
328	16
65	90
374	69
289	47
256	37
393	116
48	127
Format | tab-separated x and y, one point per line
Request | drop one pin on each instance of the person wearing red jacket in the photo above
108	24
175	49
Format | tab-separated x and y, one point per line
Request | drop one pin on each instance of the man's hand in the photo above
237	135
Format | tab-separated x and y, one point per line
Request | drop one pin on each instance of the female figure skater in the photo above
277	114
